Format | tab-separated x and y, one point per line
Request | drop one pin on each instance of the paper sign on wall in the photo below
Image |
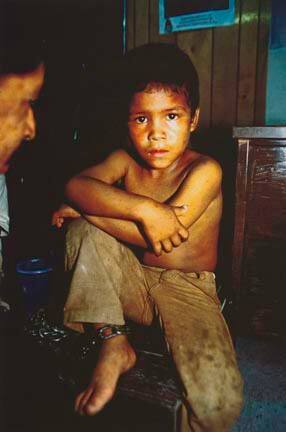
180	15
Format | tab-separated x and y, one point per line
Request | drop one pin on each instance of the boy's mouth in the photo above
157	152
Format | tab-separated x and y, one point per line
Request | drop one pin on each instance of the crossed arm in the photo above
137	219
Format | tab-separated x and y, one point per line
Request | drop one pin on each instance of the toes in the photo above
78	402
81	401
93	407
97	401
89	402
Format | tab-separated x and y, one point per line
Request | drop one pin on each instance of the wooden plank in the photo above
198	45
152	380
264	132
141	22
130	24
247	62
268	192
240	219
262	53
154	25
225	63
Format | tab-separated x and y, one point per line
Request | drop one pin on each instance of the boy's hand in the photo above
163	228
63	213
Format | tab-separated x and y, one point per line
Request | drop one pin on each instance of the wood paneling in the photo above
198	45
141	22
247	62
262	55
231	61
154	25
130	24
225	73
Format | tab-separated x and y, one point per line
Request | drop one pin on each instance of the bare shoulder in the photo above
200	189
200	165
113	168
202	179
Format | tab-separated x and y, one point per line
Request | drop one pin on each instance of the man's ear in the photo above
195	120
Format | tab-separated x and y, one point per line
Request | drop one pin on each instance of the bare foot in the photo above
116	357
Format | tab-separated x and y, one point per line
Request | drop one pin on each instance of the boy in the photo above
169	208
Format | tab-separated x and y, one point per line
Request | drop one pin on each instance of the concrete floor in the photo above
263	366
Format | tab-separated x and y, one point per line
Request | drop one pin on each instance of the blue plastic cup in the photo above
34	279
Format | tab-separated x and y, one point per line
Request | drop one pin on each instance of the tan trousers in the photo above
108	284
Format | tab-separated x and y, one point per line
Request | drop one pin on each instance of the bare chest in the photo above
160	189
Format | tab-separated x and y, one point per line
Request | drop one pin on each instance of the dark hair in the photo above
162	64
21	49
18	61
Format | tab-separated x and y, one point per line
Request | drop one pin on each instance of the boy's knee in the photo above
77	228
218	411
217	418
79	232
77	241
86	240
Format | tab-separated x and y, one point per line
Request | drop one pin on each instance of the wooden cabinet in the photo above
259	246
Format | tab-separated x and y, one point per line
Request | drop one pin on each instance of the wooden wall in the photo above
231	61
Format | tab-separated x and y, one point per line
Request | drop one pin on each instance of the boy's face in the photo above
159	126
17	122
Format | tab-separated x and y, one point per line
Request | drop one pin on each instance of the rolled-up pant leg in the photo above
201	347
106	280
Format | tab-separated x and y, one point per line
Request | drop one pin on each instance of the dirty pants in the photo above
108	284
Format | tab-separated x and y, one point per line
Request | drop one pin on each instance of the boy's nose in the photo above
30	126
156	131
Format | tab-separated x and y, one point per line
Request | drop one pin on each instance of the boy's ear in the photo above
195	120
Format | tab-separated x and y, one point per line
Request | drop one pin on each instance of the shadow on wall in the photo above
219	144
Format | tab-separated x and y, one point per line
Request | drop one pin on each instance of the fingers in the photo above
184	233
60	222
157	248
57	221
54	219
167	245
176	240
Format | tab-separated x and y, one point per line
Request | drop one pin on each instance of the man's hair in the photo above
19	60
159	65
21	50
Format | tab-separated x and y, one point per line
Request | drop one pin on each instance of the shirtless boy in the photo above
170	209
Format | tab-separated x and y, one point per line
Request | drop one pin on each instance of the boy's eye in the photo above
172	116
141	119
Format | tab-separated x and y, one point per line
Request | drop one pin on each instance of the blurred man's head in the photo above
21	79
17	121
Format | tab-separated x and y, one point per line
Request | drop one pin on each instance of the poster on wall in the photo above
181	15
276	82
